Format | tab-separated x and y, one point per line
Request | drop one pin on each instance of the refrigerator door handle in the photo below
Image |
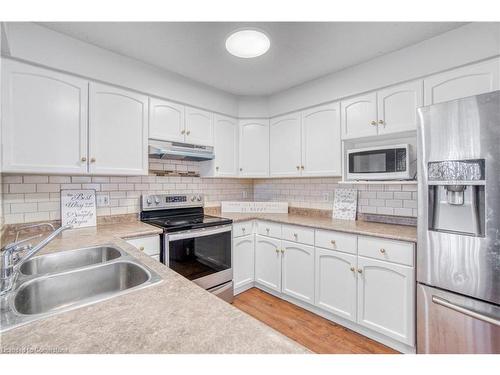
465	311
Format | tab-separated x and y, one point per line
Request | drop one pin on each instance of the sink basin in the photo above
67	290
68	260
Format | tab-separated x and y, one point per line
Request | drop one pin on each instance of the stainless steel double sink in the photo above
54	283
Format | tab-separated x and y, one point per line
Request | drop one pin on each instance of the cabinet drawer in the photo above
298	234
242	229
266	228
150	244
388	250
336	241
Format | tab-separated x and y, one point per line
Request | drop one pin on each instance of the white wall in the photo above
253	106
460	46
37	44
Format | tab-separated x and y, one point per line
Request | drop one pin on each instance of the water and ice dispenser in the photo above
456	197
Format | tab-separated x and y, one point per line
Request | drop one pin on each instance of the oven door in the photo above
201	255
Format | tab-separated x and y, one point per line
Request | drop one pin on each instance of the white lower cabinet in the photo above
150	245
386	298
297	279
268	262
243	262
336	283
373	295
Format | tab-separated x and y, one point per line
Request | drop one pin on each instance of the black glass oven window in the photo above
202	256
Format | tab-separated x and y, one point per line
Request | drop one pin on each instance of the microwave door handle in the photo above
198	233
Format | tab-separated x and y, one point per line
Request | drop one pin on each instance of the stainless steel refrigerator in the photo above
458	261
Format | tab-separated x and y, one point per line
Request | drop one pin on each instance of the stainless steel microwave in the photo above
380	163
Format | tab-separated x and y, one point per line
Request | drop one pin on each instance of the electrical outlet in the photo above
326	197
102	200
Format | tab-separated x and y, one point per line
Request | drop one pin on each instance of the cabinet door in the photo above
166	120
386	298
321	148
298	271
244	261
44	120
199	127
397	107
118	132
284	146
336	283
462	82
254	148
268	262
226	146
359	116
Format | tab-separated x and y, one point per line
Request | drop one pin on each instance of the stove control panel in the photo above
165	201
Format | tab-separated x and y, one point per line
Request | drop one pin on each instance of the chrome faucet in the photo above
12	262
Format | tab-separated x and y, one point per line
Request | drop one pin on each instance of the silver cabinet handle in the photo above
183	132
188	132
465	311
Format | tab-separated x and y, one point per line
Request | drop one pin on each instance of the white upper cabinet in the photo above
336	282
254	148
118	131
199	126
462	82
284	140
359	116
298	271
321	147
268	262
226	146
44	120
397	107
166	120
386	298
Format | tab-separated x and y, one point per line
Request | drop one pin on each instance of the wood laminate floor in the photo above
310	330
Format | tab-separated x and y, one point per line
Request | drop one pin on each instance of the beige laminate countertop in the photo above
391	231
174	316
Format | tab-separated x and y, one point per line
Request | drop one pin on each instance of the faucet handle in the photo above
16	246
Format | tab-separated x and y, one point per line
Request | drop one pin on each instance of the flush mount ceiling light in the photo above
247	43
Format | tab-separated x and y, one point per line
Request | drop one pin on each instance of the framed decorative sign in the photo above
78	208
253	207
345	204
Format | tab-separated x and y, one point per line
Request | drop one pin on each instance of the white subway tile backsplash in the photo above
22	188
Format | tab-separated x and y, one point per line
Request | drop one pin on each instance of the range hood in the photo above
179	151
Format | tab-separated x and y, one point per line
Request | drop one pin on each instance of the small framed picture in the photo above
78	208
345	204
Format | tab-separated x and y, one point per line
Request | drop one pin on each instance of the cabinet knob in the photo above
141	248
360	270
381	122
83	158
333	243
295	235
282	251
382	251
302	167
92	160
241	169
188	132
267	230
298	167
183	132
243	229
277	251
217	168
374	123
353	269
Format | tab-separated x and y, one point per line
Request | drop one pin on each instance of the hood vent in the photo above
179	151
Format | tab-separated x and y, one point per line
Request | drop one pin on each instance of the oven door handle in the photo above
199	233
466	311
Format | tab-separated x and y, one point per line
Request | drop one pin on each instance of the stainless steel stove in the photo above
195	245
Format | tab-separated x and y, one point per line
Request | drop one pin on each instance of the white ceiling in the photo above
300	51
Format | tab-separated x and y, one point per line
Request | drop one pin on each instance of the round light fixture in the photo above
247	43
